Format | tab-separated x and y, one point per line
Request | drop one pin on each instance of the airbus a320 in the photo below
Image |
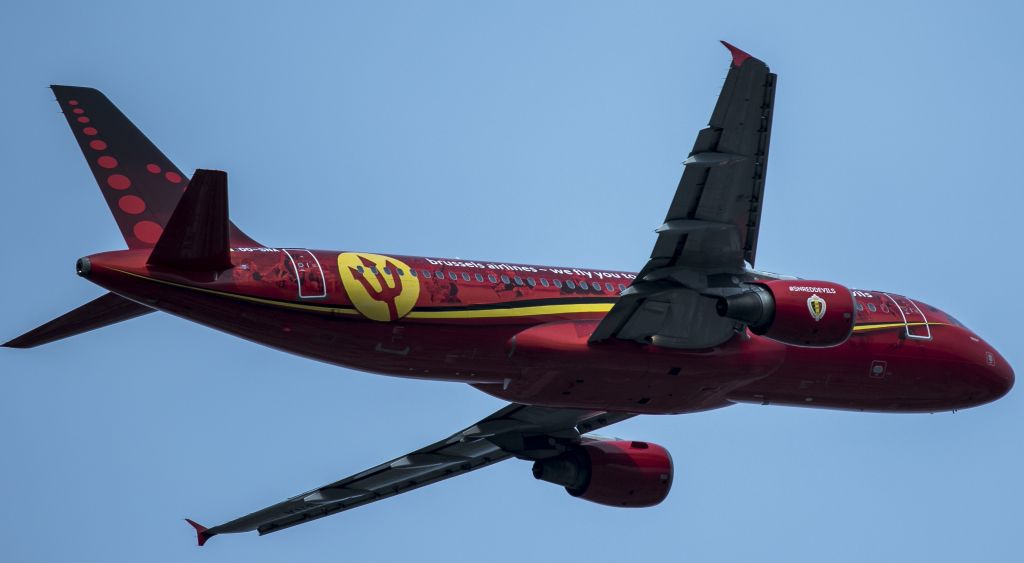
572	349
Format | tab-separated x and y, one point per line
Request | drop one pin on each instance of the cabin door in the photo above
912	315
308	273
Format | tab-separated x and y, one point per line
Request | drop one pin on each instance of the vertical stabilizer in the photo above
142	187
196	235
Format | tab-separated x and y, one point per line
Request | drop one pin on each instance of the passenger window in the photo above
374	270
557	282
360	269
452	276
491	278
439	274
387	271
465	276
872	308
608	286
860	307
622	288
400	271
570	284
479	277
544	282
426	274
583	285
505	280
530	282
519	280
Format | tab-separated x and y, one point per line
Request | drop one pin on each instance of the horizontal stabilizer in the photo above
196	237
106	310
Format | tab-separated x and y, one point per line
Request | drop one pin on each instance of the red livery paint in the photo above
738	56
626	474
574	349
616	473
201	535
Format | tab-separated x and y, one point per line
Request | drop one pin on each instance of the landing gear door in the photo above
308	273
913	316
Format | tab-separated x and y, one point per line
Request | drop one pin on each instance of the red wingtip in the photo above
738	56
201	534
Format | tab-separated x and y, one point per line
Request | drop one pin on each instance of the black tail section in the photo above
141	186
103	311
196	236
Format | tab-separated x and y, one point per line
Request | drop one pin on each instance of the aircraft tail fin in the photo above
141	185
103	311
197	234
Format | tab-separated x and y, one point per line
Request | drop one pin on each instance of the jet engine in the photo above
611	472
799	312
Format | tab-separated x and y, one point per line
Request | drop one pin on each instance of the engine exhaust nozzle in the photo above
754	308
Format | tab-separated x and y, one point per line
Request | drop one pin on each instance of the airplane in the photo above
573	350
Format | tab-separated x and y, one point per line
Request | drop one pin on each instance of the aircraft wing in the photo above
711	228
522	431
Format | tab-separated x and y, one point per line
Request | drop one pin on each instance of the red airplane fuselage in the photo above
520	333
574	349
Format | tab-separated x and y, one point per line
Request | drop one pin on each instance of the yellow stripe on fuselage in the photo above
501	312
496	313
251	299
859	328
505	312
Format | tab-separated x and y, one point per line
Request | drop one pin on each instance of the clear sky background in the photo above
524	132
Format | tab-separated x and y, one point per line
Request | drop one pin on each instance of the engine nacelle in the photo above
798	312
611	472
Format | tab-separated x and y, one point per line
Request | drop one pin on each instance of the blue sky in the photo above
527	132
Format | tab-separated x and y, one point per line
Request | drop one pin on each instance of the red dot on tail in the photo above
90	131
72	102
172	177
98	145
83	119
153	168
131	204
107	162
78	111
119	182
147	231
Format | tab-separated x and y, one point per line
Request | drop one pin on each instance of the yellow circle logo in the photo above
376	288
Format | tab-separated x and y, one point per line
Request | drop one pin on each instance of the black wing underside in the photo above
711	229
522	431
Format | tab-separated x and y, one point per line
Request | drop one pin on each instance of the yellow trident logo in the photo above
376	288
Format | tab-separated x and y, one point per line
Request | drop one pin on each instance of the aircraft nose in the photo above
1001	372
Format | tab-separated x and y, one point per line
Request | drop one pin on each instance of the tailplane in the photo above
142	187
103	311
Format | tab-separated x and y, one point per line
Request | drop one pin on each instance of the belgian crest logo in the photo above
816	305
